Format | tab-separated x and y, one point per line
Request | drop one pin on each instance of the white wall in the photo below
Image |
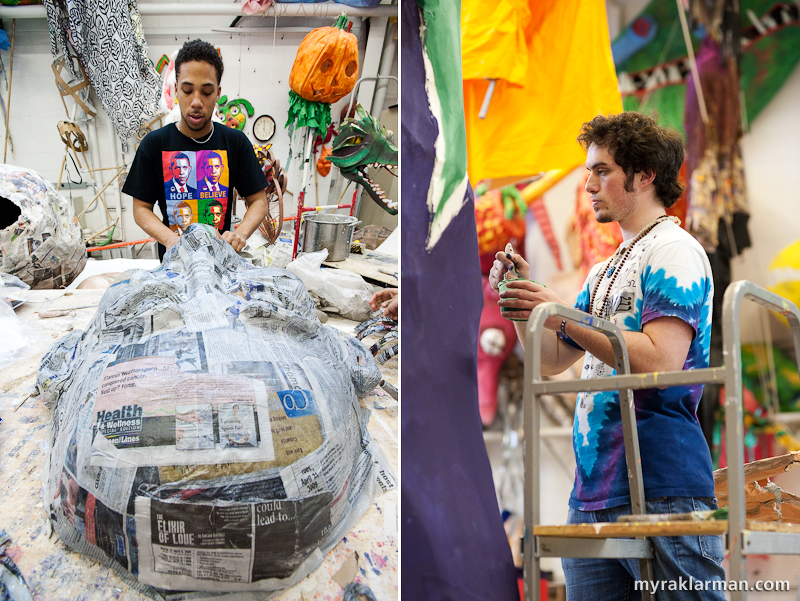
257	68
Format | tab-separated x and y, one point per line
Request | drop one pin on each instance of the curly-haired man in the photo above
658	289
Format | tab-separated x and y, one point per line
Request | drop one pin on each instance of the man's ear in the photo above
647	177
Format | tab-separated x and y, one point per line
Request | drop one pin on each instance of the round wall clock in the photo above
264	128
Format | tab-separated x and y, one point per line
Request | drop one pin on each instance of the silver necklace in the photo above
211	133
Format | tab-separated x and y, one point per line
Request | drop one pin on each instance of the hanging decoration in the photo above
500	219
108	40
270	227
76	88
713	155
323	163
233	112
362	143
162	62
324	71
255	7
561	75
654	78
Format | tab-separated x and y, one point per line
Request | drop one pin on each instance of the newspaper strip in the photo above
227	547
142	417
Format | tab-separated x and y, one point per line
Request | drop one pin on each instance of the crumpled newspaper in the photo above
207	434
44	246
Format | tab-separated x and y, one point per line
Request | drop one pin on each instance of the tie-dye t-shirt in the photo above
667	274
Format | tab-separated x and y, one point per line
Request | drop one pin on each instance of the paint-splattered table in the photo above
56	573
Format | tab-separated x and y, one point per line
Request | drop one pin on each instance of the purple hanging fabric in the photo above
453	542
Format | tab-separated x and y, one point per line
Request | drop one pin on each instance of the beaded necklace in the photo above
613	266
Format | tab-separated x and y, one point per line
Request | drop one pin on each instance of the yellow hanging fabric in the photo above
569	77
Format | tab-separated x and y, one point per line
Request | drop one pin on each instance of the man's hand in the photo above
171	240
145	218
503	264
526	295
235	239
387	300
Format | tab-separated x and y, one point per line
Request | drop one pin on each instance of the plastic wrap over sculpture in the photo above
44	246
207	434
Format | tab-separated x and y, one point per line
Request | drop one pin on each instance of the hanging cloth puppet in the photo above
549	65
107	38
713	155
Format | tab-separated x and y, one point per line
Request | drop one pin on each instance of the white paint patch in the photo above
452	204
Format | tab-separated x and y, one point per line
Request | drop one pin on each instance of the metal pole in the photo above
302	196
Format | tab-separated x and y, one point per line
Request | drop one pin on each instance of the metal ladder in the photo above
741	541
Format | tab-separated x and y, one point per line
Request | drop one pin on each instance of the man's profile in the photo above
657	288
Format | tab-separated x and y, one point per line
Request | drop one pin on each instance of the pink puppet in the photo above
497	339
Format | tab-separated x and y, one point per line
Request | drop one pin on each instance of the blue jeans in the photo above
677	559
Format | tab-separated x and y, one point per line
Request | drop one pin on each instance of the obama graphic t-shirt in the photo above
191	182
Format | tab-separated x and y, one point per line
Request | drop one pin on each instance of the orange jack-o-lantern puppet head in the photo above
326	67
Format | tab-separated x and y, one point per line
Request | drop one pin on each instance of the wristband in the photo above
564	327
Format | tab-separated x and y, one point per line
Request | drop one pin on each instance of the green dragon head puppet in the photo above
361	143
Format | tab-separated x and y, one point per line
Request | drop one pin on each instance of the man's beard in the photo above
603	217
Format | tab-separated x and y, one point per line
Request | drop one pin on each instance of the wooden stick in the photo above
693	63
10	78
61	173
100	195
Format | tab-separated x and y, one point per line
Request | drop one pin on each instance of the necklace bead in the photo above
613	267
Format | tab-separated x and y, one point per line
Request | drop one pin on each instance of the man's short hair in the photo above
638	144
181	205
175	158
198	50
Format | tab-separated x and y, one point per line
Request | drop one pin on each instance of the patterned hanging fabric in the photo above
713	156
107	38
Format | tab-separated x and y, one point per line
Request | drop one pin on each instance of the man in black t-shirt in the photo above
207	161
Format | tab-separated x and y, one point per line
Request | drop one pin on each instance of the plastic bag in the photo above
13	291
261	253
19	339
345	290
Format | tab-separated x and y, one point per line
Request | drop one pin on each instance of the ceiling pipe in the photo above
232	9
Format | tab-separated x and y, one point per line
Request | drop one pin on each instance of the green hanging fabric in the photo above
305	113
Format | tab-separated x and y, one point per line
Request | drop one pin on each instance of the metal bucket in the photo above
334	232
